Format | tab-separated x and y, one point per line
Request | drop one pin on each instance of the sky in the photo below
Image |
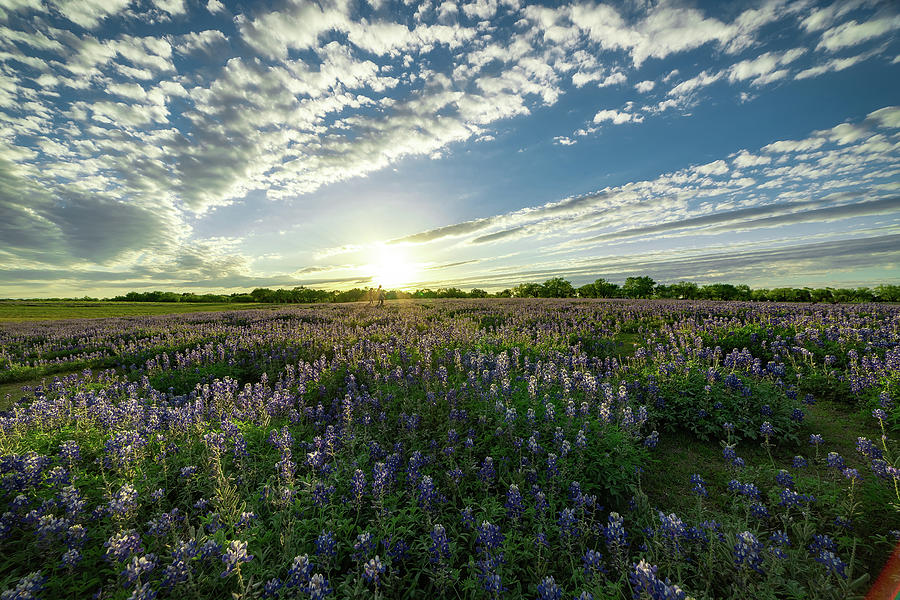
200	145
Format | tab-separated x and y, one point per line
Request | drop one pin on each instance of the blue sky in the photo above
203	145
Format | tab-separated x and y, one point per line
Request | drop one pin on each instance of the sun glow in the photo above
392	268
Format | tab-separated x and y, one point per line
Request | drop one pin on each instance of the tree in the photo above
262	295
887	293
527	290
478	293
557	287
638	287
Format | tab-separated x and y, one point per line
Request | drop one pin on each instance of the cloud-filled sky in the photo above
202	145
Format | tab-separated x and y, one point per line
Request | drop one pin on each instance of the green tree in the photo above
527	290
638	287
557	287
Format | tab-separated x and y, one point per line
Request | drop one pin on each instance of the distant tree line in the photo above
556	287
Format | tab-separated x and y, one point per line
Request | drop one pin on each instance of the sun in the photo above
392	268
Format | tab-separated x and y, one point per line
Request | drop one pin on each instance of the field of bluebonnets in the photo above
462	449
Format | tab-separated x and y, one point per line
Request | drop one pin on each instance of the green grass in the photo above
666	481
11	392
48	310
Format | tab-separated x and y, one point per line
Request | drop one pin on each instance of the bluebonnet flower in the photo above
614	532
593	563
398	549
832	562
70	451
234	556
365	543
246	519
759	511
489	537
672	527
552	469
568	524
815	439
358	486
779	540
581	440
747	552
467	518
790	498
799	462
728	452
868	448
143	592
122	545
797	415
325	544
728	427
124	502
584	596
644	581
300	572
272	588
880	414
27	588
852	474
487	573
322	494
766	429
548	589
487	472
428	495
317	587
440	545
373	570
71	558
843	522
137	566
514	504
652	440
745	489
210	548
784	479
835	460
699	486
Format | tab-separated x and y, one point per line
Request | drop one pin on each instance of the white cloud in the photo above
853	33
744	159
89	13
717	167
764	68
480	9
834	64
562	140
214	6
617	117
689	86
644	86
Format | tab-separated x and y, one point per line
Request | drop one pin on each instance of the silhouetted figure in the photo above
380	293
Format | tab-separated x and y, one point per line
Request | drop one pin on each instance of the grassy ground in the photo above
11	392
37	310
668	486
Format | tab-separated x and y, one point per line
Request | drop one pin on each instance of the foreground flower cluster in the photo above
463	449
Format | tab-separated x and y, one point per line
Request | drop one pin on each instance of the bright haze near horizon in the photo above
208	146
